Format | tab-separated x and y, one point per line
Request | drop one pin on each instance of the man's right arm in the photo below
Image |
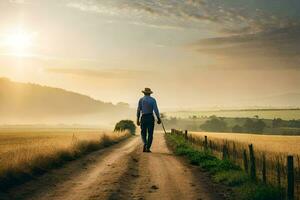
156	111
138	114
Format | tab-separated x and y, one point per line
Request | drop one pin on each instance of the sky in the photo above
192	53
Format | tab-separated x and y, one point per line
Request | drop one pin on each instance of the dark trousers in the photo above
147	126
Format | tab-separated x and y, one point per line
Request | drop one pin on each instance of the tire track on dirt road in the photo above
121	172
164	176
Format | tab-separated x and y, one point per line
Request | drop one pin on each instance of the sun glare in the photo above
19	41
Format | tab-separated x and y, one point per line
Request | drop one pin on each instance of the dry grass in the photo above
275	149
269	143
24	154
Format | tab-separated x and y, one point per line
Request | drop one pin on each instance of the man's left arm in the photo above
156	111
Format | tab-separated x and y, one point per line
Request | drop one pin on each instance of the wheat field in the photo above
269	157
268	143
274	148
23	152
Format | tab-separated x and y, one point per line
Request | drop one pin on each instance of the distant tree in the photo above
248	125
259	126
212	116
163	115
277	122
237	129
214	124
294	123
194	117
254	126
124	125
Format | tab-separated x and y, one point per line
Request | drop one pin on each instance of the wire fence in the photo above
277	169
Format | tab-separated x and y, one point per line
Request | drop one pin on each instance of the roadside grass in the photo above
224	172
23	160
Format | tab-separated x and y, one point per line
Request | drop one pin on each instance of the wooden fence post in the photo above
278	173
225	151
205	142
290	177
245	158
264	175
234	151
186	134
252	163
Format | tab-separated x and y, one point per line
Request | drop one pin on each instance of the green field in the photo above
286	114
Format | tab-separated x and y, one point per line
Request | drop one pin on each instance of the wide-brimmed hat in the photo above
147	91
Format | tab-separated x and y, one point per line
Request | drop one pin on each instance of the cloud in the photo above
284	42
278	48
102	73
267	32
151	13
232	17
114	7
17	1
159	26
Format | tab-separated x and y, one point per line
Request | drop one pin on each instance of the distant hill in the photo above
32	103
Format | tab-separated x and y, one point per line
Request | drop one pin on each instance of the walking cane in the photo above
162	124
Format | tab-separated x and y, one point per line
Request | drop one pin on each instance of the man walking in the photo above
146	106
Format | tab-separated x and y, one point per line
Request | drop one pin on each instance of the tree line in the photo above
218	124
248	125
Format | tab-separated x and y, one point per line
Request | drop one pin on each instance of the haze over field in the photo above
33	104
192	53
225	76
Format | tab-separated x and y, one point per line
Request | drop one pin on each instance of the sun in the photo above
19	41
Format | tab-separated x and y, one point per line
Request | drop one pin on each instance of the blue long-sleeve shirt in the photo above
147	105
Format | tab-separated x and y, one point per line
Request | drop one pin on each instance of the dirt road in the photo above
120	172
